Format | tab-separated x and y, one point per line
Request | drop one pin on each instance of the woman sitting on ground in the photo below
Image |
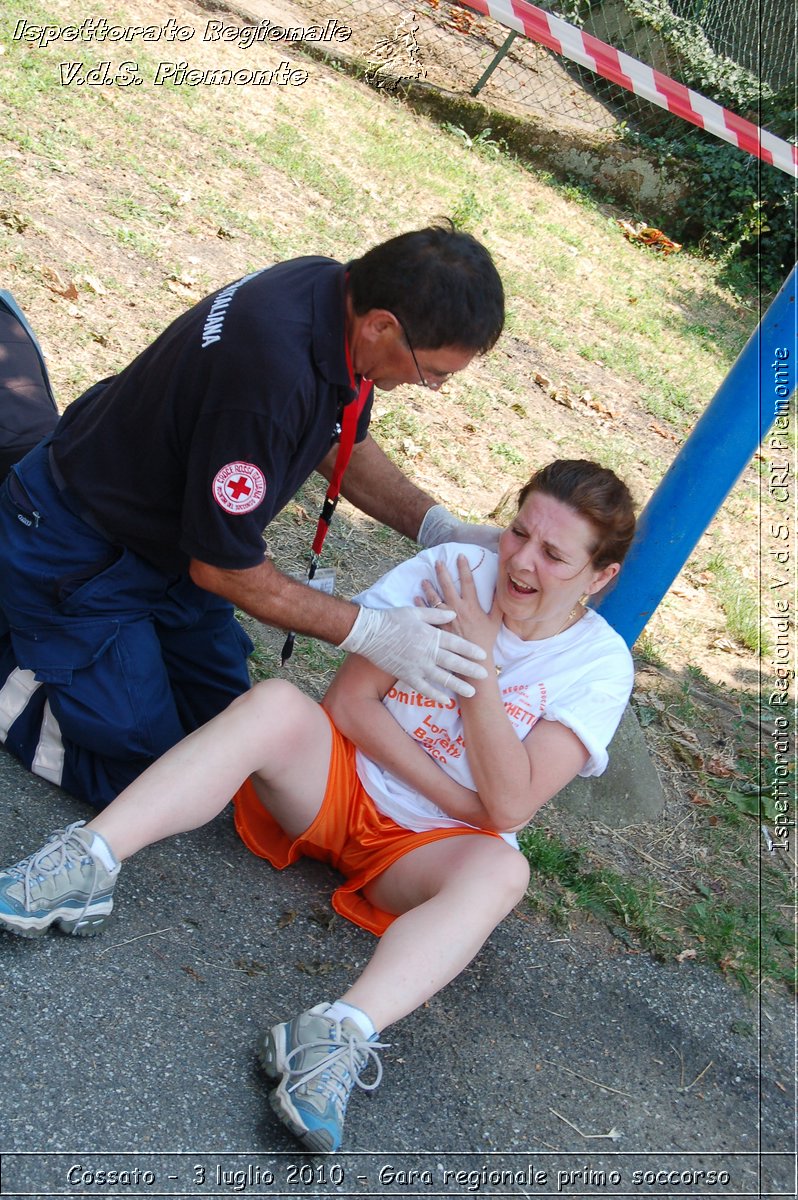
414	800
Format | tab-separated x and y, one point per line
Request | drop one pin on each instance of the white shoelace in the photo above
63	850
356	1052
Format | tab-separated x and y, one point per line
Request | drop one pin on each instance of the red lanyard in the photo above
349	422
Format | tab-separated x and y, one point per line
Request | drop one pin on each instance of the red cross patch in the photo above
239	487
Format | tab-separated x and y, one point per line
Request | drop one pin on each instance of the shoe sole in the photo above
318	1140
271	1056
87	925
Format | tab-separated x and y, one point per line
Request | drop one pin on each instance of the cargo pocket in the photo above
55	653
49	659
119	581
106	684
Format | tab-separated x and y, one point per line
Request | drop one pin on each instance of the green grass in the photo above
564	881
739	916
647	651
742	940
507	454
740	604
142	243
468	213
732	931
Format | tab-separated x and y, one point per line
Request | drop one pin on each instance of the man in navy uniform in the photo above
129	535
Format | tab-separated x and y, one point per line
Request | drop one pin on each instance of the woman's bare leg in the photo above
273	732
451	895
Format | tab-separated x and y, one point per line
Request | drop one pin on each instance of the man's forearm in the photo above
276	599
378	488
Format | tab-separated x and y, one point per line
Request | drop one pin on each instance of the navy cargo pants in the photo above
105	662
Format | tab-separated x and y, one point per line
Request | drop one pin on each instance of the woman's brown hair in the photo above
598	495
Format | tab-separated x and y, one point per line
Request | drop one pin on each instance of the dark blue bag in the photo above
27	406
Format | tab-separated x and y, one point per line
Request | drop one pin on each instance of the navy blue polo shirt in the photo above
193	448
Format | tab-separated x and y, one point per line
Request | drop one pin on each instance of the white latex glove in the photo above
439	526
401	642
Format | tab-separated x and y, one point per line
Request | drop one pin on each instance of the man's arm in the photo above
377	487
276	599
399	640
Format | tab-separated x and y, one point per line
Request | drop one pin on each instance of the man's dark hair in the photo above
440	283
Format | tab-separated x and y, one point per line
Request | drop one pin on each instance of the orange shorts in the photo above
349	833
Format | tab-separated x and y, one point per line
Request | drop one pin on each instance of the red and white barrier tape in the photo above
588	51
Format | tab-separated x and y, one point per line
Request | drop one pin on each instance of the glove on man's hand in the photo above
439	525
402	642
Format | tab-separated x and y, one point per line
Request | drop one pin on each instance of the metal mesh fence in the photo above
453	48
748	48
741	55
760	36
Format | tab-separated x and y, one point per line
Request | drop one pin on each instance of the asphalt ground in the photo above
555	1065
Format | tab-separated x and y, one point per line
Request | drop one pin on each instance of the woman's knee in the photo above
517	872
504	870
279	708
269	698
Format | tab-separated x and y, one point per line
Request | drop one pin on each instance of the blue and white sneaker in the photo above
318	1062
63	884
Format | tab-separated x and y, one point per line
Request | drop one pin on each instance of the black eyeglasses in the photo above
422	378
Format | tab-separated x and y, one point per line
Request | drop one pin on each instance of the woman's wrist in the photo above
489	686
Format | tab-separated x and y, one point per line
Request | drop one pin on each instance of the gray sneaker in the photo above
318	1062
63	884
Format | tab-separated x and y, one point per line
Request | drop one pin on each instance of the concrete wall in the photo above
620	172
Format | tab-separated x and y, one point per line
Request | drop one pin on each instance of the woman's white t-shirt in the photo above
582	678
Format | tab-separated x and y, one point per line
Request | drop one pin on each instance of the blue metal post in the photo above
725	438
